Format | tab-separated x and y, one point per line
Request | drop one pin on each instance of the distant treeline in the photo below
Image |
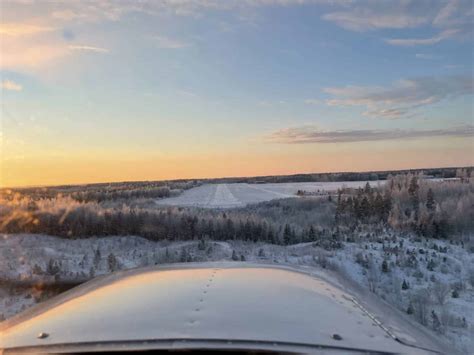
158	189
105	191
346	176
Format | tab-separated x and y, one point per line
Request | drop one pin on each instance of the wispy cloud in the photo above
22	29
453	66
400	99
311	134
88	11
187	93
365	19
425	56
169	43
388	113
11	85
272	103
88	49
452	18
30	55
111	10
312	101
410	42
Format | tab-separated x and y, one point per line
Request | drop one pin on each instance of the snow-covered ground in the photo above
242	194
40	259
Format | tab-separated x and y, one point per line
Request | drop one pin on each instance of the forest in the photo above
407	203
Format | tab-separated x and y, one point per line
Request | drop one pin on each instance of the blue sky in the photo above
220	88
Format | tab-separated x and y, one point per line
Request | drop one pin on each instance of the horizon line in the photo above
238	177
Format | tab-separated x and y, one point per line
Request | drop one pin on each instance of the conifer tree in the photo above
112	262
414	197
436	322
287	235
430	202
234	256
311	234
183	257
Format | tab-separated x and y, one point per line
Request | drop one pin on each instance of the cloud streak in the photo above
365	19
411	42
169	43
89	11
22	29
11	85
451	19
312	101
402	98
88	49
425	56
311	134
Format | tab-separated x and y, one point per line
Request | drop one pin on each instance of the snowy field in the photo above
241	194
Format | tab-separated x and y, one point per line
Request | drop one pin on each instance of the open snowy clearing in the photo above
242	194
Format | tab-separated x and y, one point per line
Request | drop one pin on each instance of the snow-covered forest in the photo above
409	241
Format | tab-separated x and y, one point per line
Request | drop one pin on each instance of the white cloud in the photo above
87	11
169	43
364	19
403	97
30	53
187	93
424	56
23	29
312	101
410	42
311	134
388	113
112	10
88	49
452	18
457	13
269	103
35	23
11	85
453	66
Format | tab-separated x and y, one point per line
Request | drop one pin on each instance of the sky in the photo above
103	90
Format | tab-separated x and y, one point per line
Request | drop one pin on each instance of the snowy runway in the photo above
241	194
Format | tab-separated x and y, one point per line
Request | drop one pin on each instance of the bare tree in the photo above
373	276
112	262
420	301
470	277
441	292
